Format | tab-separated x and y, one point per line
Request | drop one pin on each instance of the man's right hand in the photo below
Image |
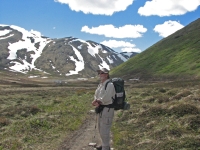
95	103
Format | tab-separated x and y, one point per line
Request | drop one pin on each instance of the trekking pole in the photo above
95	127
93	144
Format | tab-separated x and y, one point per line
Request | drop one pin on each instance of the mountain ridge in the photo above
176	56
30	52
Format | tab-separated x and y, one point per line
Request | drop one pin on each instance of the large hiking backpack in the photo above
120	96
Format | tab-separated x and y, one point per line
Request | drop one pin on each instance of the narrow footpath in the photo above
82	137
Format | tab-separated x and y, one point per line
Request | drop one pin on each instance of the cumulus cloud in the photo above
125	46
168	7
131	49
167	28
97	7
117	44
126	31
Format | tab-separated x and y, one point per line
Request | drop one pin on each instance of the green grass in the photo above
162	116
42	118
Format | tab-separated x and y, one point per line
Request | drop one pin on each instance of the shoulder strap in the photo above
107	84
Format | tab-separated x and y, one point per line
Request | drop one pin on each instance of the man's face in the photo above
102	75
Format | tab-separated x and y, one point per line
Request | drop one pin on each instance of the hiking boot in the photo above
98	148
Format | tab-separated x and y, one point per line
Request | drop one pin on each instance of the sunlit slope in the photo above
175	56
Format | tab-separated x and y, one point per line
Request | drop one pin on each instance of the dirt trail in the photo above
82	137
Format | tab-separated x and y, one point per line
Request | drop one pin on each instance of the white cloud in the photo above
168	7
130	49
97	7
125	46
167	28
126	31
117	44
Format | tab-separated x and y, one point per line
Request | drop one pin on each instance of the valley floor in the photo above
163	115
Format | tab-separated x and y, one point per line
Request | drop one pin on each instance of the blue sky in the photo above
123	25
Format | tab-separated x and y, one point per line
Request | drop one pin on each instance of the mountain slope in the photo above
30	53
177	55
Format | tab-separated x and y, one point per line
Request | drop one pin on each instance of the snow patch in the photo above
4	32
32	76
6	37
78	63
92	50
122	57
104	64
27	44
110	60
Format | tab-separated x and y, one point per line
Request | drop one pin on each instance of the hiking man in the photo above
102	101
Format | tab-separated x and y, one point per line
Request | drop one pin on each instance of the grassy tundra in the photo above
41	118
163	116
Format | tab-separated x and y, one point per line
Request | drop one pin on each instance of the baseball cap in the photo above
104	70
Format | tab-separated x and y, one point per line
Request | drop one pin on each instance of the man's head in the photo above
103	74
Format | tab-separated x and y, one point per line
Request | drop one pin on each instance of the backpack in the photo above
120	96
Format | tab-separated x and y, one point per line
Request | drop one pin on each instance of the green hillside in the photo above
177	55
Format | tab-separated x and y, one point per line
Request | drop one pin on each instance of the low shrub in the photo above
189	143
144	94
162	90
40	123
154	111
183	109
171	92
162	99
175	132
33	109
150	100
23	111
184	93
193	122
3	121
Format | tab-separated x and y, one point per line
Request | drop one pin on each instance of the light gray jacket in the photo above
105	96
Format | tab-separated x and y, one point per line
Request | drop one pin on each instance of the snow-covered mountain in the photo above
30	52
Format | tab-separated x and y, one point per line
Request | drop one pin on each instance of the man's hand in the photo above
99	102
96	103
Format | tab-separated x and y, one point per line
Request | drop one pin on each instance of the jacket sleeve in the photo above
95	97
108	94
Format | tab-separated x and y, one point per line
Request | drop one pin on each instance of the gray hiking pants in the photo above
104	125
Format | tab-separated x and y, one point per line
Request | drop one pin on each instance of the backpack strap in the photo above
113	98
107	84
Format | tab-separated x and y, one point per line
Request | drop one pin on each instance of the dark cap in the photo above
104	70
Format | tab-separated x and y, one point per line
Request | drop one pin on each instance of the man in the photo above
103	99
